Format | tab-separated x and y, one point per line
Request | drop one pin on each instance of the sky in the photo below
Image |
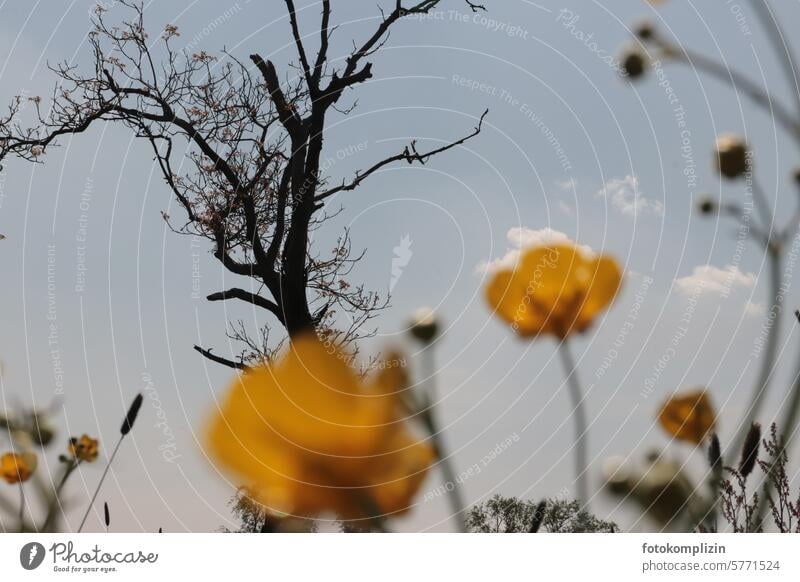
102	301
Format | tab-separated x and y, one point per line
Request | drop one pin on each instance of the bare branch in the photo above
409	154
248	297
221	360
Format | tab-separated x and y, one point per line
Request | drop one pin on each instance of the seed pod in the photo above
714	452
633	63
645	30
424	325
732	156
752	442
130	418
707	206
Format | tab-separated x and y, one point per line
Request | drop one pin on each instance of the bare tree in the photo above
255	188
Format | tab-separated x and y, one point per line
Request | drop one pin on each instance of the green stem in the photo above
55	502
581	424
787	427
739	82
779	40
429	418
770	352
21	508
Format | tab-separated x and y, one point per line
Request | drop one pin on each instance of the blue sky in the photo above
568	146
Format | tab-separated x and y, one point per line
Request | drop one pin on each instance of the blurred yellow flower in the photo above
554	289
16	468
84	449
309	436
689	417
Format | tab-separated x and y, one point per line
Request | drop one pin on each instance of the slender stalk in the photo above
781	45
787	427
100	484
21	508
55	503
429	418
739	82
581	424
770	351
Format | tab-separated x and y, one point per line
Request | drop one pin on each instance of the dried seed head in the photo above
633	63
714	452
130	418
707	206
617	475
732	156
752	442
424	325
645	30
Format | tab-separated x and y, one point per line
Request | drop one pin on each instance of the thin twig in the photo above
100	484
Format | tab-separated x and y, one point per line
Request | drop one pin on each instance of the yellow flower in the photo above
689	417
16	468
310	436
554	289
84	449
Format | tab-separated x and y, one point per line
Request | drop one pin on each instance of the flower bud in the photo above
645	30
707	206
750	448
633	64
424	325
732	156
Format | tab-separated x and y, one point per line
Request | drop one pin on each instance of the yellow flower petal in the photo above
307	436
554	289
689	417
16	468
605	278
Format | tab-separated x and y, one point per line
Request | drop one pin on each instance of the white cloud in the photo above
711	279
755	309
522	238
625	196
567	185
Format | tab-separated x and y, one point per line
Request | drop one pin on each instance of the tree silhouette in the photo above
255	188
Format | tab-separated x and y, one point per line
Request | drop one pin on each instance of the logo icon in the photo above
402	256
31	555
